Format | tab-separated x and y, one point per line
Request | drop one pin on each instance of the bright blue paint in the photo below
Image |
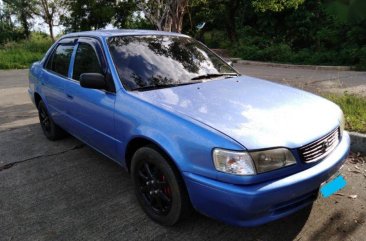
333	186
242	113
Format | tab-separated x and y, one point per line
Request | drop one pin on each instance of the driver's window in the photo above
86	61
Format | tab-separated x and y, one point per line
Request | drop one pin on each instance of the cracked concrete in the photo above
59	191
11	164
24	143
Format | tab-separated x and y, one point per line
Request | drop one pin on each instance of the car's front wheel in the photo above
49	128
159	188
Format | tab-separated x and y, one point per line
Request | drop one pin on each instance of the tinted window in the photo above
143	61
86	61
60	59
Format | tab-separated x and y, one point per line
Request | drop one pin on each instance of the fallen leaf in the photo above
352	196
355	171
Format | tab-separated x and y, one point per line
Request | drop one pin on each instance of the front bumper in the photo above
253	205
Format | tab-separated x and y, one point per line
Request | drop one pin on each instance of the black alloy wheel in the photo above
159	188
155	188
49	128
44	119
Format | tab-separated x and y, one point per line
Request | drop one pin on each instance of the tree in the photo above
23	9
166	15
87	15
156	11
8	32
220	14
127	15
235	7
177	11
50	11
231	8
275	5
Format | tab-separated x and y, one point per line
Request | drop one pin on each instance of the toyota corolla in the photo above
192	132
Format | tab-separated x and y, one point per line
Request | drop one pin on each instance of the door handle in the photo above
69	96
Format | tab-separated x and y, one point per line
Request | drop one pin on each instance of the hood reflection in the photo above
256	113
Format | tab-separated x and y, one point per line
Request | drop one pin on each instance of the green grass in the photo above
19	55
354	108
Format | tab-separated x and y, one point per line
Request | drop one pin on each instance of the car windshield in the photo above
158	61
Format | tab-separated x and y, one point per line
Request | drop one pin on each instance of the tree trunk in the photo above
165	15
177	12
50	27
231	11
168	24
24	23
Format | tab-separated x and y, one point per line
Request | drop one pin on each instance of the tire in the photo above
49	128
159	188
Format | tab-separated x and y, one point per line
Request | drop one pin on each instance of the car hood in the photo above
256	113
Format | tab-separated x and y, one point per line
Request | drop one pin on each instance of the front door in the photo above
91	111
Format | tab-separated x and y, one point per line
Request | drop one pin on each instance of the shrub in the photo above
277	53
361	55
16	55
216	39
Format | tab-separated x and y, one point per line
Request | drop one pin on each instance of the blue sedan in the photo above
192	132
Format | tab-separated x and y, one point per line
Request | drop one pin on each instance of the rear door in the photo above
53	79
90	111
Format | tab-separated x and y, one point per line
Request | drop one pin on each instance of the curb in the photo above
358	142
293	66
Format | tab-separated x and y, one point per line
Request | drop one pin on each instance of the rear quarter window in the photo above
59	60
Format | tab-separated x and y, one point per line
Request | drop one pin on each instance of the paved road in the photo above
66	191
312	80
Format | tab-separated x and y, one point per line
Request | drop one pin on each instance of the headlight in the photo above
342	123
272	159
250	163
239	163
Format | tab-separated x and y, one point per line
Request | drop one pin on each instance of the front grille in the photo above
320	148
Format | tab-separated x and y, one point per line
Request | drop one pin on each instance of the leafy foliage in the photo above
87	14
307	34
16	55
23	10
294	31
275	5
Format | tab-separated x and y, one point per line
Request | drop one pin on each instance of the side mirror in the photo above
93	81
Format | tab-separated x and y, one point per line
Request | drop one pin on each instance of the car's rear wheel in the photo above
49	128
159	188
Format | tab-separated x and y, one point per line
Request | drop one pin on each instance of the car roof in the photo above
119	32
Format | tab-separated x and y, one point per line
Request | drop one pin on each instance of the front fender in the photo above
189	143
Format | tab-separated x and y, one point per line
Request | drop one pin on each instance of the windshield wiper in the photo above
162	86
208	76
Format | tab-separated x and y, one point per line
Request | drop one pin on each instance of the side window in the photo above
60	59
86	61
